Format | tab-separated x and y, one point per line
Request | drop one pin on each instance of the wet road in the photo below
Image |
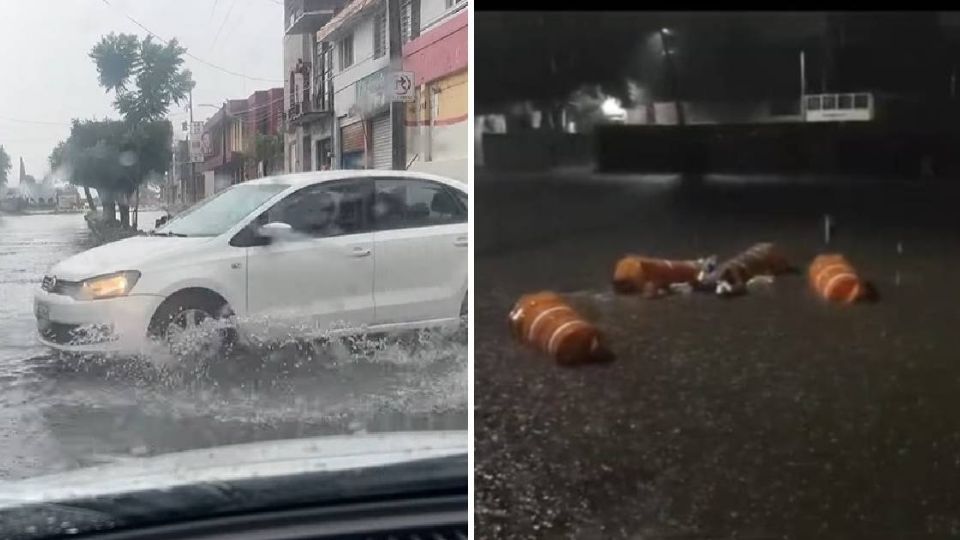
767	416
60	413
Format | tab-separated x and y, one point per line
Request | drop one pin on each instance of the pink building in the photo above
437	120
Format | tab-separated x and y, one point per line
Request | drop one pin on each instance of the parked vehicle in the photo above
320	253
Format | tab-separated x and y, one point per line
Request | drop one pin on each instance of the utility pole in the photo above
398	109
803	87
672	73
193	172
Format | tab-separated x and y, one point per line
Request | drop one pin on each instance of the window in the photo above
830	102
403	204
214	216
380	34
326	210
813	103
861	101
345	49
409	20
846	101
462	197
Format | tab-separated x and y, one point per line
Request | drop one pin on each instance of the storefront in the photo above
382	142
353	146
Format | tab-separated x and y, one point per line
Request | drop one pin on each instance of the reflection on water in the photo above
64	411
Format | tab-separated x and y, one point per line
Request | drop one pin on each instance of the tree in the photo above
146	78
4	166
111	156
58	162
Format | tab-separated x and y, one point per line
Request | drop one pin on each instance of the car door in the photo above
421	243
321	276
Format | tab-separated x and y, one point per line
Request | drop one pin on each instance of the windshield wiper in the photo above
178	235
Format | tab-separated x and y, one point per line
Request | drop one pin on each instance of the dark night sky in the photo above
719	56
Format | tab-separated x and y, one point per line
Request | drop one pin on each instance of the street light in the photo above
668	53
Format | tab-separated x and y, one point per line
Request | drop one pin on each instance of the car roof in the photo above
297	180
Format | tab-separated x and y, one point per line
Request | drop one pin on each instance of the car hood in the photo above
127	254
261	460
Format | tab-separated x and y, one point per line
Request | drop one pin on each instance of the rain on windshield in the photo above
132	326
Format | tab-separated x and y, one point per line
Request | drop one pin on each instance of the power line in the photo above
40	122
188	53
227	16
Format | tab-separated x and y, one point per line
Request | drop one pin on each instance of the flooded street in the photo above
59	413
772	415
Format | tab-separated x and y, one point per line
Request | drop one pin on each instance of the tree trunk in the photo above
136	210
109	210
86	192
124	215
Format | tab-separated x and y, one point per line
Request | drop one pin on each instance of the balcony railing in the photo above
309	107
306	16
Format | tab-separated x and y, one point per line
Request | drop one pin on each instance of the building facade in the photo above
223	145
358	40
243	140
437	121
263	133
308	95
340	63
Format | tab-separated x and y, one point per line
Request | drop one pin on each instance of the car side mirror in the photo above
276	230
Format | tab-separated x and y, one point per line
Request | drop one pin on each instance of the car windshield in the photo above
214	216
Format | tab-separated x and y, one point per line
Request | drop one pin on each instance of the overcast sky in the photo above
48	79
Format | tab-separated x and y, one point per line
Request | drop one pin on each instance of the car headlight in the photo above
107	285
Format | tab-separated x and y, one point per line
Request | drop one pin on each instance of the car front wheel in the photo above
193	322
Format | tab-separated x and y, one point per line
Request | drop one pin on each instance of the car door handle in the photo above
461	242
360	252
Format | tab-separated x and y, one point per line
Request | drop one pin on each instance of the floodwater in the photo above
59	413
772	415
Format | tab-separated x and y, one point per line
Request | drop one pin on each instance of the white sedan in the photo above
346	251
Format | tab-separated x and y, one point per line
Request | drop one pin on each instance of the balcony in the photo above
309	109
308	16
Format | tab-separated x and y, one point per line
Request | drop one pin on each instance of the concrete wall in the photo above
452	168
441	48
434	12
363	64
536	150
706	112
437	123
828	148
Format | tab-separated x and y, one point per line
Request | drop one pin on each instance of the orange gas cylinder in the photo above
546	322
833	278
635	273
731	276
